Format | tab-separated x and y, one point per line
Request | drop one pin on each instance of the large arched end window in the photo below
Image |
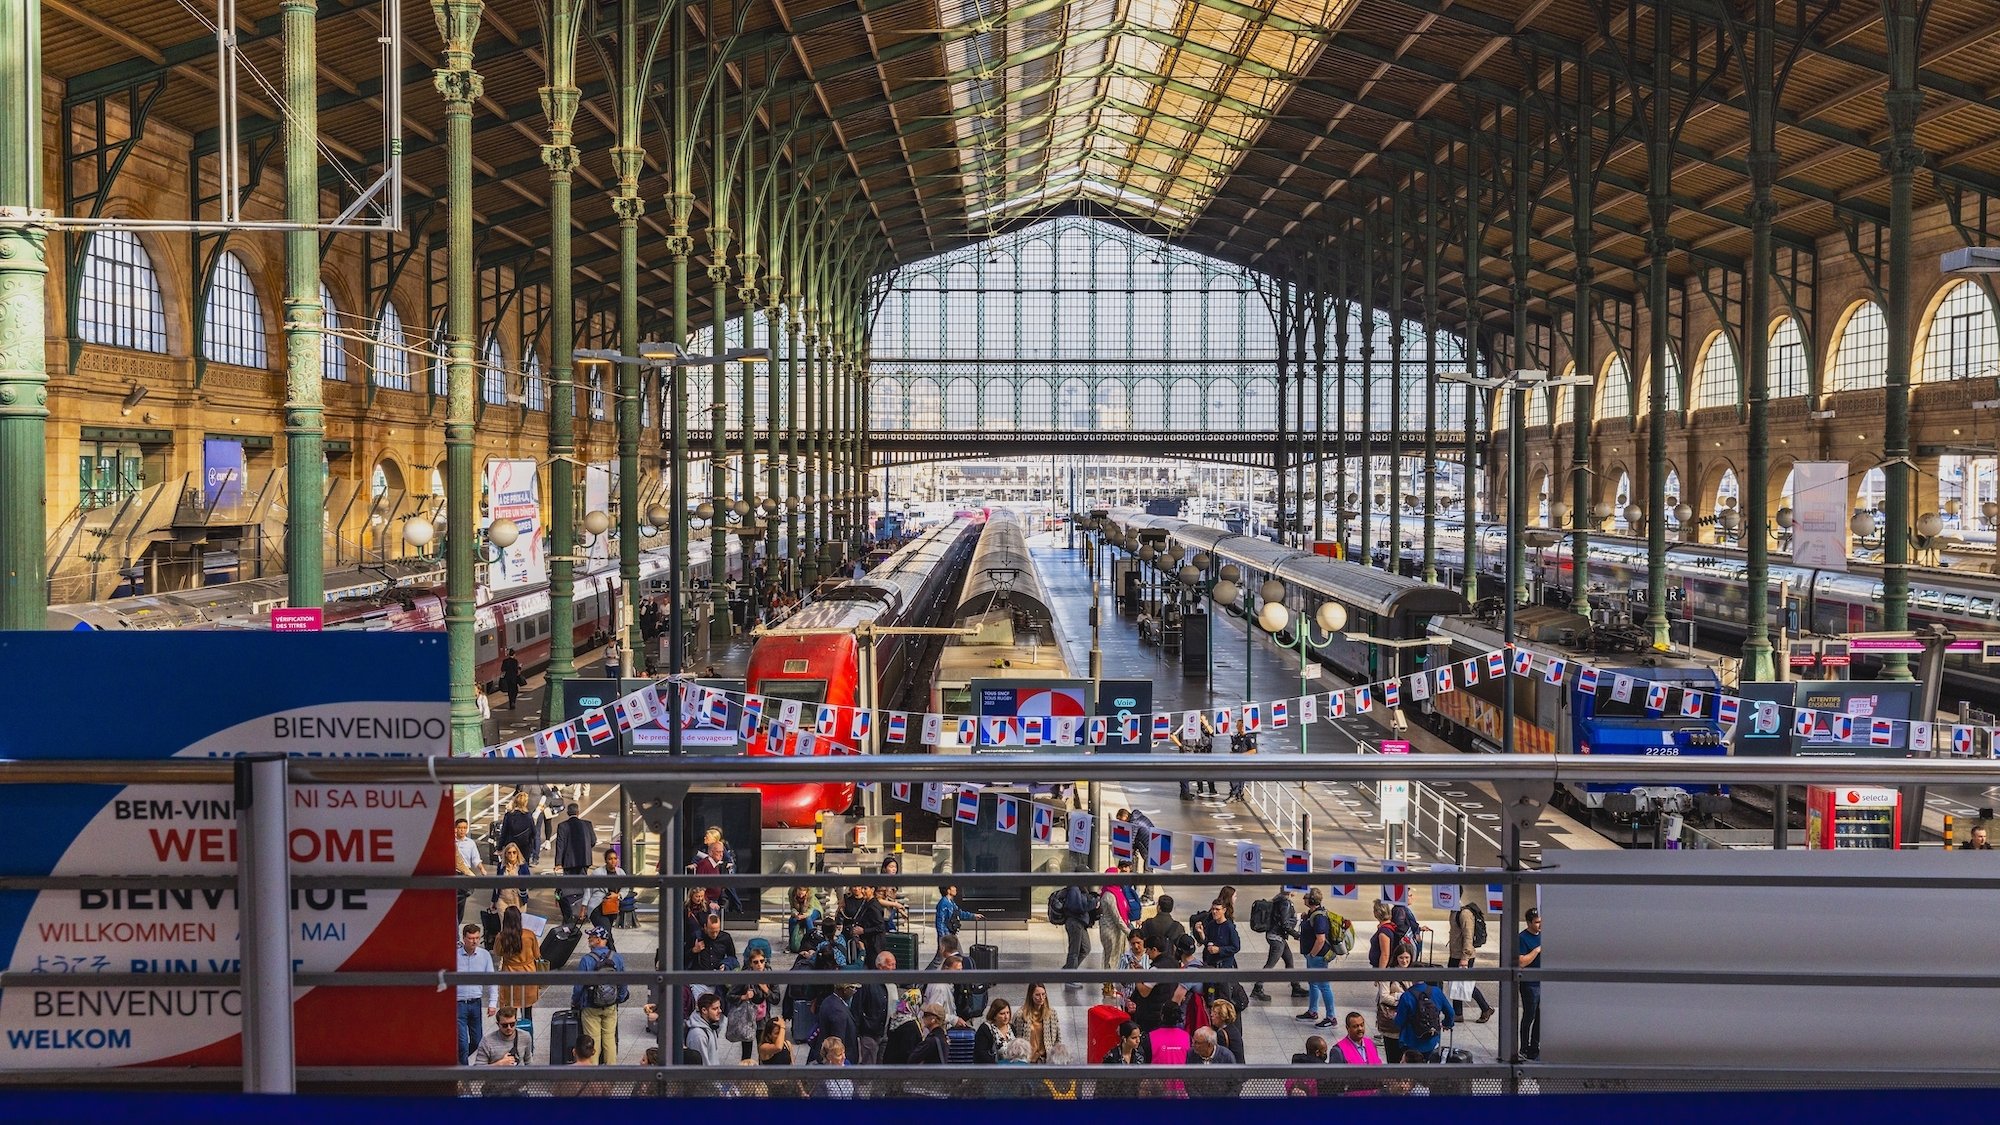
1790	370
440	376
1671	389
389	366
332	349
492	372
532	386
232	324
1614	391
118	295
1718	378
1964	338
1861	350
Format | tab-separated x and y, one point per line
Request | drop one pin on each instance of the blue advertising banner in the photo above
221	474
218	695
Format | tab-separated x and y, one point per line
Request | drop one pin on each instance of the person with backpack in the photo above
1382	944
597	1004
1280	927
1076	922
1422	1016
1316	942
1407	928
1468	937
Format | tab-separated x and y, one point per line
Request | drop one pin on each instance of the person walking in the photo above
1423	1015
1279	933
1466	923
517	827
948	919
466	852
1076	926
1528	955
576	838
1316	943
597	1004
517	950
474	1000
511	678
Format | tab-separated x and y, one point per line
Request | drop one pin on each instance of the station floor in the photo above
1344	820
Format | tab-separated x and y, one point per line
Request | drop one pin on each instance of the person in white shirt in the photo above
472	998
469	862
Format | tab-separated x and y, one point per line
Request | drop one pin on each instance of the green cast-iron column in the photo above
1660	210
305	415
1583	185
24	277
1430	375
774	294
1757	665
1902	99
794	389
750	291
680	247
628	159
1395	296
718	448
1474	318
1344	315
458	83
1517	430
1321	305
1300	330
560	99
1365	552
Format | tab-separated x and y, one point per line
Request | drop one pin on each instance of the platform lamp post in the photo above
1275	616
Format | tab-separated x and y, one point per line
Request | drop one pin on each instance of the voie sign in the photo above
383	696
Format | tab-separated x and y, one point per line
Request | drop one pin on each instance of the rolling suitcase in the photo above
982	954
904	945
564	1029
560	945
958	1043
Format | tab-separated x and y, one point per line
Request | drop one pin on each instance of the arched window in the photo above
1614	391
1672	388
492	372
1789	372
440	376
332	349
233	322
1716	380
119	295
390	365
531	383
1964	340
1861	357
1538	408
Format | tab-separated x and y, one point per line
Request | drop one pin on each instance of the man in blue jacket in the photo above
1220	939
1421	1017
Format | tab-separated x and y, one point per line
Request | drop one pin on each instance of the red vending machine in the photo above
1853	816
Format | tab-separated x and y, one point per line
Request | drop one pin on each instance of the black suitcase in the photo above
565	1027
489	926
983	954
559	945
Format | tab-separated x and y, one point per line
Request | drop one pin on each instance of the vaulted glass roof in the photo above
1140	105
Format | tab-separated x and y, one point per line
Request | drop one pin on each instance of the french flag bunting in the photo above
1066	728
1420	686
1100	730
1253	718
1392	693
1961	741
753	713
1496	898
515	749
828	719
1130	731
1336	705
1163	727
625	712
1281	714
1121	839
1496	664
1160	848
968	804
1032	730
1656	697
1524	662
718	709
897	729
1344	865
1621	688
1298	863
1691	702
1586	680
1841	727
1007	814
933	800
1444	680
858	724
1042	823
1000	730
1225	720
1557	669
1201	854
933	729
1881	732
1920	738
802	743
1364	701
1726	710
968	731
596	726
1398	893
1308	710
900	790
1468	671
558	741
655	706
1082	832
1805	723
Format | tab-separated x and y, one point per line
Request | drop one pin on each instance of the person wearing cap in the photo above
600	1022
935	1018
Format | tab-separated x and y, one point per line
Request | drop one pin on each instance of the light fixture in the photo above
419	532
1929	525
1272	590
1331	616
1188	575
1231	574
1683	513
1729	520
1225	592
1633	514
133	397
1784	518
597	522
1862	523
503	533
1274	616
658	515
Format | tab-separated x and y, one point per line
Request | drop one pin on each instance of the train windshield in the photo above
805	691
1605	706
